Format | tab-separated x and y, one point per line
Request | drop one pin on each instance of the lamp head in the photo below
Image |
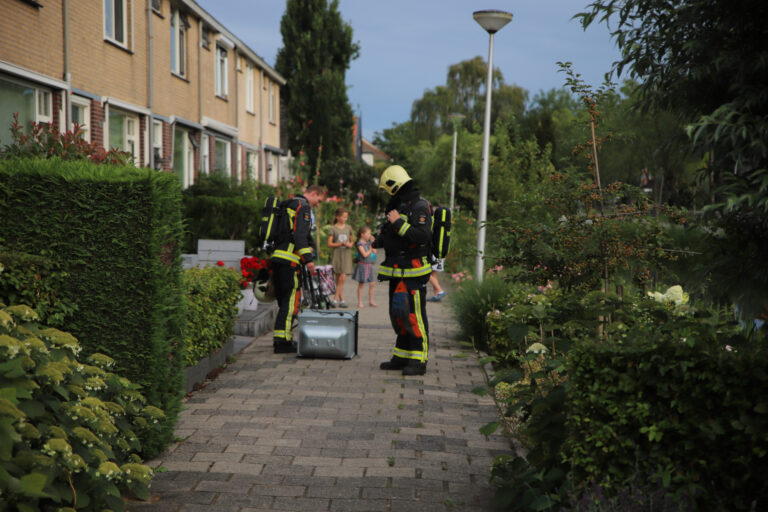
492	20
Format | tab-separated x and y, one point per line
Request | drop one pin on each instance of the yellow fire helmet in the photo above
393	178
264	290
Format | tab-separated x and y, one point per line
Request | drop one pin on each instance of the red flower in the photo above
220	263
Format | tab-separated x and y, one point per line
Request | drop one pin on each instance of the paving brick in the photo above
301	504
354	505
274	432
278	490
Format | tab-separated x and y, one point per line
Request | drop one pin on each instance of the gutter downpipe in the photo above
67	68
238	152
262	151
150	86
200	29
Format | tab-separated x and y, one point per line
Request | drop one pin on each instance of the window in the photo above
123	133
223	157
249	87
205	154
252	161
183	157
179	26
43	106
272	100
30	102
157	143
156	5
206	38
81	116
115	21
221	71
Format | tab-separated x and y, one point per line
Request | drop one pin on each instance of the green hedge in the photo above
220	209
212	296
684	400
116	231
68	428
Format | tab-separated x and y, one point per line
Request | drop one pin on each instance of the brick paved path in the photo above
274	432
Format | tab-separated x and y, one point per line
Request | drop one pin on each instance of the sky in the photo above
407	46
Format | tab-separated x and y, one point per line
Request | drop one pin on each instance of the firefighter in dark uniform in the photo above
293	248
405	237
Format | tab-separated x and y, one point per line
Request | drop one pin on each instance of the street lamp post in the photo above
455	118
492	21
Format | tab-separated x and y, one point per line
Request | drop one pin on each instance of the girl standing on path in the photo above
364	269
340	239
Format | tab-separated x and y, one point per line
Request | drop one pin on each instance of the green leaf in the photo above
460	356
480	390
33	484
543	502
488	359
489	428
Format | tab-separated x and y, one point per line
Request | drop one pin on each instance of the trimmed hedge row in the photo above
212	296
116	232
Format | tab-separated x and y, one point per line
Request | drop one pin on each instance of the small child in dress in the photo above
364	268
340	239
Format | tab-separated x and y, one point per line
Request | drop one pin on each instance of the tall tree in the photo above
464	93
708	61
317	51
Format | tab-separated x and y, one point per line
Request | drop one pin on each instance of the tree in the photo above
706	60
464	93
317	52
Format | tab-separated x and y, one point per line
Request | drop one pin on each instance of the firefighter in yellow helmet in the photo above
405	237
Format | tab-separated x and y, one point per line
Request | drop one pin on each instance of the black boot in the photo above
396	363
283	347
415	368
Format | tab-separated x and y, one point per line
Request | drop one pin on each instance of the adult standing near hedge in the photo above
406	237
294	247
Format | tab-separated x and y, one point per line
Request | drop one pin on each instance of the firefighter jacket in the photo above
406	241
294	242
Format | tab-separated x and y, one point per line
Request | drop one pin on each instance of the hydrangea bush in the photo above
68	429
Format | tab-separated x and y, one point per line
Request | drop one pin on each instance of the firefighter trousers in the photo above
288	294
408	314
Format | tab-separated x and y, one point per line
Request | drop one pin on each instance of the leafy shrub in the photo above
212	296
45	141
68	429
117	232
37	281
678	395
217	207
473	301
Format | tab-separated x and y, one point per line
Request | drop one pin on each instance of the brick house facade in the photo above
161	79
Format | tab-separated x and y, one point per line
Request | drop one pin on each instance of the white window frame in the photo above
187	154
249	70
205	154
272	99
85	105
178	43
221	70
252	165
41	96
157	136
43	105
131	139
228	153
109	23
